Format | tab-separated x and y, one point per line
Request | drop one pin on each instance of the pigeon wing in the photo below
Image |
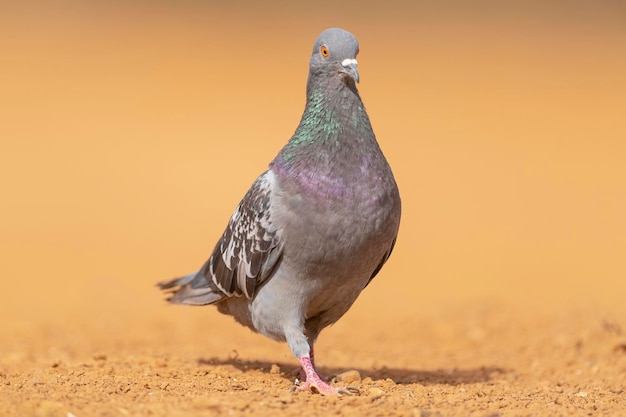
245	256
249	250
382	261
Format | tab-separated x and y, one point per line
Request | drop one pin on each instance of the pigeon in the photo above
314	229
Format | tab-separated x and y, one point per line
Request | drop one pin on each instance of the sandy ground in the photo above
129	131
478	359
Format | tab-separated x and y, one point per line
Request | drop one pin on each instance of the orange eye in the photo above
324	51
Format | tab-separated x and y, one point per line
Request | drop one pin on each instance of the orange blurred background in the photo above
130	130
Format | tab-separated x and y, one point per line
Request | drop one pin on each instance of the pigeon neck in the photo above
334	120
333	144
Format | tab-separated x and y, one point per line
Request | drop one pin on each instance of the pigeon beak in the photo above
349	67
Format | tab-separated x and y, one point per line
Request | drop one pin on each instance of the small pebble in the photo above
375	393
349	377
275	369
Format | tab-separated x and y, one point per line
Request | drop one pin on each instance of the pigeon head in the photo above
334	55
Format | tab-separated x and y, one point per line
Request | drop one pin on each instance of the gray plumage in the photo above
315	228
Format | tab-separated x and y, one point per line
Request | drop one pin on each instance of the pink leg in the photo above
314	381
312	356
302	374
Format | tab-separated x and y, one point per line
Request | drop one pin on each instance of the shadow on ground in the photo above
398	375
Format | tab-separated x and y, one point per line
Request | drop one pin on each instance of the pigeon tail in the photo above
192	289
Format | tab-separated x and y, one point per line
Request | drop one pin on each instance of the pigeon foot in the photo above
315	383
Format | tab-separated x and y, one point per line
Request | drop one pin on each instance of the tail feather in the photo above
177	282
192	289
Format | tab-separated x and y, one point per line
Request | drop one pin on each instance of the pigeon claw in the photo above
350	390
324	388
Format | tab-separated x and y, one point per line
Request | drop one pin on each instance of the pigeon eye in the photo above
324	51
